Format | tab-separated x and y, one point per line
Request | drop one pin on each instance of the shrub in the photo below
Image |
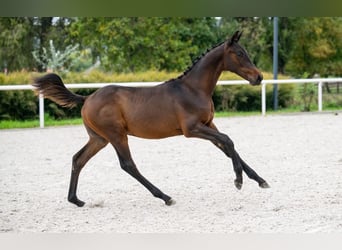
248	98
17	105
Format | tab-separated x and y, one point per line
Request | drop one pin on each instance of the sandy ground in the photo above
299	155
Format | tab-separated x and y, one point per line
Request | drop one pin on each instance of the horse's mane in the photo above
197	59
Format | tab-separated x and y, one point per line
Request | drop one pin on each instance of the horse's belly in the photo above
153	130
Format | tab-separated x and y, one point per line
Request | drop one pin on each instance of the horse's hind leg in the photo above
94	145
128	165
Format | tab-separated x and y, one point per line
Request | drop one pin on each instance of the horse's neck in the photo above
205	74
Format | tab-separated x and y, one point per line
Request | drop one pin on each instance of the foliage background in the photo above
310	45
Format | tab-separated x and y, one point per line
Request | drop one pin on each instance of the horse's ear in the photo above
239	36
235	38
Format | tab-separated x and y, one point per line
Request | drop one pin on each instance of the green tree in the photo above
56	60
130	44
20	36
317	47
16	43
47	29
141	43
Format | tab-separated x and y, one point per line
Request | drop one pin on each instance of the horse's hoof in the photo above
264	185
77	202
238	184
170	202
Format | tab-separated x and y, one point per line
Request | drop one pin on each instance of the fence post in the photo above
263	99
41	110
320	96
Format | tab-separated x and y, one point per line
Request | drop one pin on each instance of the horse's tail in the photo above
53	88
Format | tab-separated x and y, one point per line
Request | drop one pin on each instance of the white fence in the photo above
319	82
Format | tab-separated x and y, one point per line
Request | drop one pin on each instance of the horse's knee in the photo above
227	143
230	143
129	167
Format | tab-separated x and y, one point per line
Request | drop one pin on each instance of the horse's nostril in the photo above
259	79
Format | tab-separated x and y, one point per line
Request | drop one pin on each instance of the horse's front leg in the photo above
222	141
246	168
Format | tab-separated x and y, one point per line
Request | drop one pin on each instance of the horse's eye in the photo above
239	54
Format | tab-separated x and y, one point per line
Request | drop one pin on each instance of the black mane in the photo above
197	59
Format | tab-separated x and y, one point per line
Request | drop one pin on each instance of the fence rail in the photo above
319	82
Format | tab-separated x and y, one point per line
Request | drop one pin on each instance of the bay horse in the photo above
181	106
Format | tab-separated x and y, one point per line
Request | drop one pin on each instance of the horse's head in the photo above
237	60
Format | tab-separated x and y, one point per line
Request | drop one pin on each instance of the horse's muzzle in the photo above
257	80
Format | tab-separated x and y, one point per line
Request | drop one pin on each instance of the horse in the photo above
180	106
